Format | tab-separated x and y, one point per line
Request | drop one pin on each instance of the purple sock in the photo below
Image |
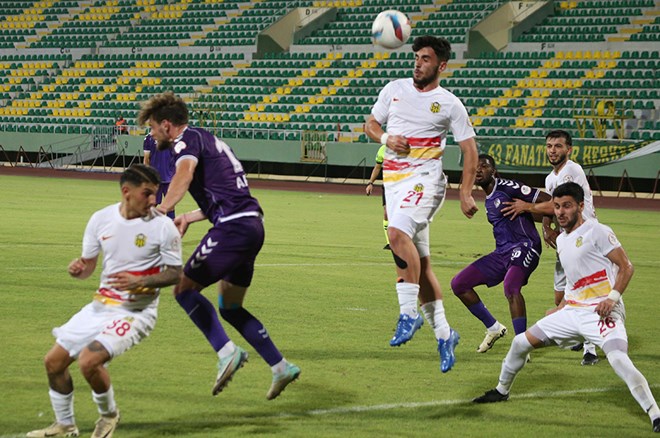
254	332
479	310
203	314
519	325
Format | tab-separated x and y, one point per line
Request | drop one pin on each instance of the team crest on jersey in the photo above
179	146
435	107
497	203
612	238
526	190
419	188
578	242
140	240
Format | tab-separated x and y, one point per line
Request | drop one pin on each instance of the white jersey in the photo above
424	118
572	172
140	246
583	253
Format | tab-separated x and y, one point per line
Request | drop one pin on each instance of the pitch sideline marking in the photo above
413	405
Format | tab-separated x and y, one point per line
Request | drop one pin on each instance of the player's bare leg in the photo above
408	267
57	362
91	361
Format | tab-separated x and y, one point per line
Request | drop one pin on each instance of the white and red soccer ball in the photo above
391	29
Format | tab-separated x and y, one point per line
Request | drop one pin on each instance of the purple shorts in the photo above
227	252
495	265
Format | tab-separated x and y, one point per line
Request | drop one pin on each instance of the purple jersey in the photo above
219	185
509	232
160	160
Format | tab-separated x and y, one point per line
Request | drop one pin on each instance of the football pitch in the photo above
324	288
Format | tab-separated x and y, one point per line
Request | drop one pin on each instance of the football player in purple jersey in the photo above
516	255
207	168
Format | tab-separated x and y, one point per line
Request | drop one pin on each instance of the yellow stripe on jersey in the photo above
396	176
593	291
431	153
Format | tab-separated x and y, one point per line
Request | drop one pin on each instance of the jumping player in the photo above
209	170
419	113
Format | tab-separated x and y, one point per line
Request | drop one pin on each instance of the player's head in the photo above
165	114
431	56
139	184
558	145
568	201
486	170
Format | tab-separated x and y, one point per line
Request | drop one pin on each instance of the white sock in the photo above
513	362
105	402
434	312
495	327
279	367
62	406
226	350
637	384
589	348
407	293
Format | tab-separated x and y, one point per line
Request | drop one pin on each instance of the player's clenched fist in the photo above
76	267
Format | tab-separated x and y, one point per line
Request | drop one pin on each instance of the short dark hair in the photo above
574	190
488	158
139	174
560	133
440	46
165	106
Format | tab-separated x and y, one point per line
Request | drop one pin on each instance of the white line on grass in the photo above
414	405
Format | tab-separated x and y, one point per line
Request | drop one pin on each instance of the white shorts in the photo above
411	206
115	327
572	325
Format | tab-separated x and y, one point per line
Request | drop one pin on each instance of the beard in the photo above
423	81
163	145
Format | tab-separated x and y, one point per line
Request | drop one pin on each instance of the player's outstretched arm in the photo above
470	161
82	268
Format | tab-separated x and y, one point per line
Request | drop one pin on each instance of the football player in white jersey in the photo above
419	114
559	145
597	273
141	253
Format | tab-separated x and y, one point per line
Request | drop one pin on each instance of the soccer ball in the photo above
391	29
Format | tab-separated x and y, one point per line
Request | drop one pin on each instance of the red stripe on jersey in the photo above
110	294
396	166
419	142
150	271
598	277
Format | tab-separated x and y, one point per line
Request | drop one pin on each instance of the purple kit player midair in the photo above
516	255
208	169
162	162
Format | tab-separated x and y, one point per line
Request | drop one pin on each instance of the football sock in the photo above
254	332
226	350
637	384
513	362
589	348
105	402
279	367
62	407
519	325
407	294
203	314
481	312
434	312
385	225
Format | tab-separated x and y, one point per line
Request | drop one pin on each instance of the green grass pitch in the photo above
324	288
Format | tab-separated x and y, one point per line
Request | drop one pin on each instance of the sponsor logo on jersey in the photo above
568	178
140	240
179	146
